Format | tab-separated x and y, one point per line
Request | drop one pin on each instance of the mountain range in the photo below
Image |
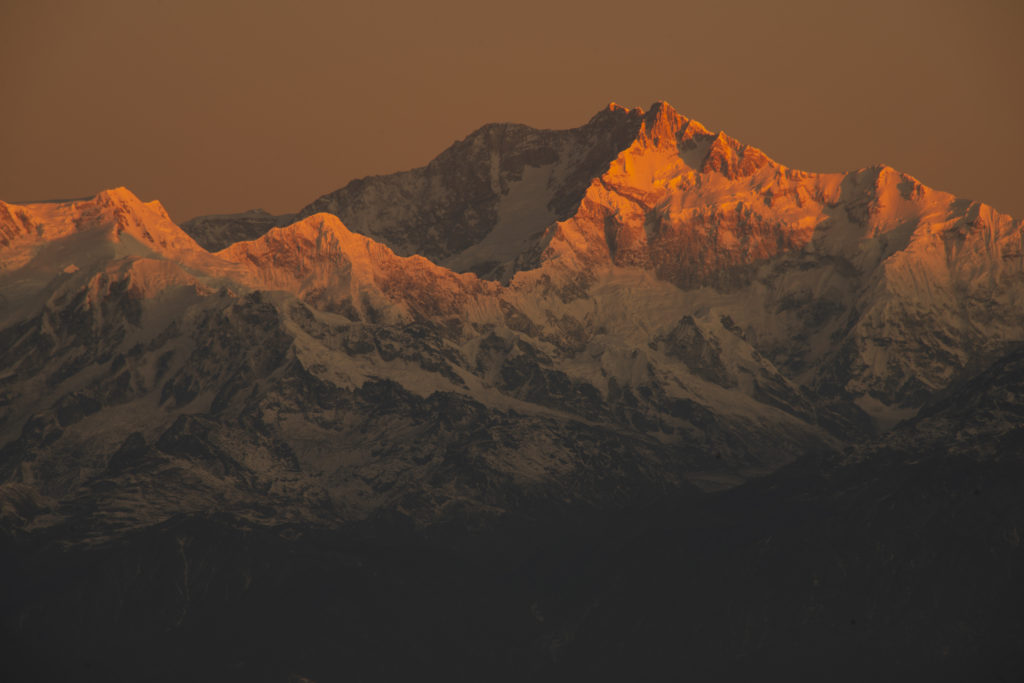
637	318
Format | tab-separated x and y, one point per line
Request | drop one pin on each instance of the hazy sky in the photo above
215	106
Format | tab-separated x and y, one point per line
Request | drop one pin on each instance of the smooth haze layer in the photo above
221	106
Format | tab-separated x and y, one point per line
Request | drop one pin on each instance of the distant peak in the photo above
316	227
617	113
663	114
663	126
324	222
661	107
123	198
731	158
117	194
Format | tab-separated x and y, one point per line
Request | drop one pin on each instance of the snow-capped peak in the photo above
107	217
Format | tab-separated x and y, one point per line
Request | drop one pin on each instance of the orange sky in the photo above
215	106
